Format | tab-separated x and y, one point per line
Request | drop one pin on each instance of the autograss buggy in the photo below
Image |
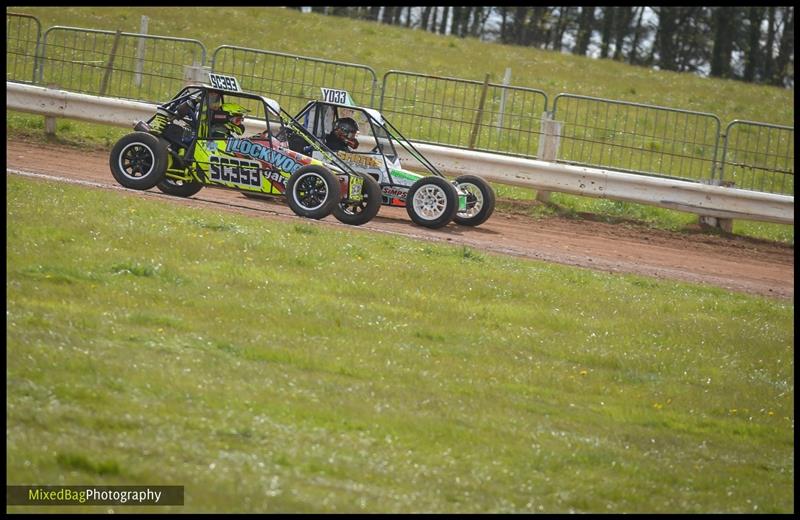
429	198
197	139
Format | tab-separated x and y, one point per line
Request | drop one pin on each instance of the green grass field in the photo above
288	366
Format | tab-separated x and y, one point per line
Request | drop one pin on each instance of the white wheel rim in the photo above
124	169
476	191
294	191
430	202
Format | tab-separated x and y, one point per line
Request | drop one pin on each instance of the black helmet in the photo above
348	126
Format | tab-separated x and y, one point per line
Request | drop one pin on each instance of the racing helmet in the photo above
214	100
235	117
347	126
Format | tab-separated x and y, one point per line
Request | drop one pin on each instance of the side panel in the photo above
248	164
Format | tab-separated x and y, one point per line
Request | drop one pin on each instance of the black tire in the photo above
179	188
432	202
139	161
481	193
313	191
357	213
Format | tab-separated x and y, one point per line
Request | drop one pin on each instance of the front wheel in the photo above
139	161
178	188
432	202
313	191
480	201
361	212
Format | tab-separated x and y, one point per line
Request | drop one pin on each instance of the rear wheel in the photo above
432	202
179	188
481	198
313	191
139	161
361	212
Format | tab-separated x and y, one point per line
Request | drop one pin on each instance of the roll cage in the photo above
317	119
185	119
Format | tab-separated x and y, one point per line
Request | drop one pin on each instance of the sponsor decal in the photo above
356	188
278	158
393	192
408	176
223	82
462	203
235	171
340	97
360	160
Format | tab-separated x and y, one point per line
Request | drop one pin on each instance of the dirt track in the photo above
734	263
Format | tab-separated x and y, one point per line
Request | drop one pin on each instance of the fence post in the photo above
195	74
706	221
50	121
503	94
549	139
479	116
137	76
110	66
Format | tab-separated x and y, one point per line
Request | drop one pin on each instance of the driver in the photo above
343	135
227	119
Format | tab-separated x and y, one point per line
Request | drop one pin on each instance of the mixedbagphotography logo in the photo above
94	495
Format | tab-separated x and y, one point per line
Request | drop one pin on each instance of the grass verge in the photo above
285	366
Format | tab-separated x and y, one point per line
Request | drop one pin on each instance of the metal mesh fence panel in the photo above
293	80
464	113
759	157
637	138
22	41
118	64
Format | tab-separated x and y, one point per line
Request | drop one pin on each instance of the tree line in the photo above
753	44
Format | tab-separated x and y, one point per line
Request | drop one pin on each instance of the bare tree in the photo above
783	74
623	18
373	13
519	15
722	24
536	27
505	31
690	38
424	20
638	31
769	46
585	28
445	16
480	15
608	27
665	38
753	56
562	24
434	20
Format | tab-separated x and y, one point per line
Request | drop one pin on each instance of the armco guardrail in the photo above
702	199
